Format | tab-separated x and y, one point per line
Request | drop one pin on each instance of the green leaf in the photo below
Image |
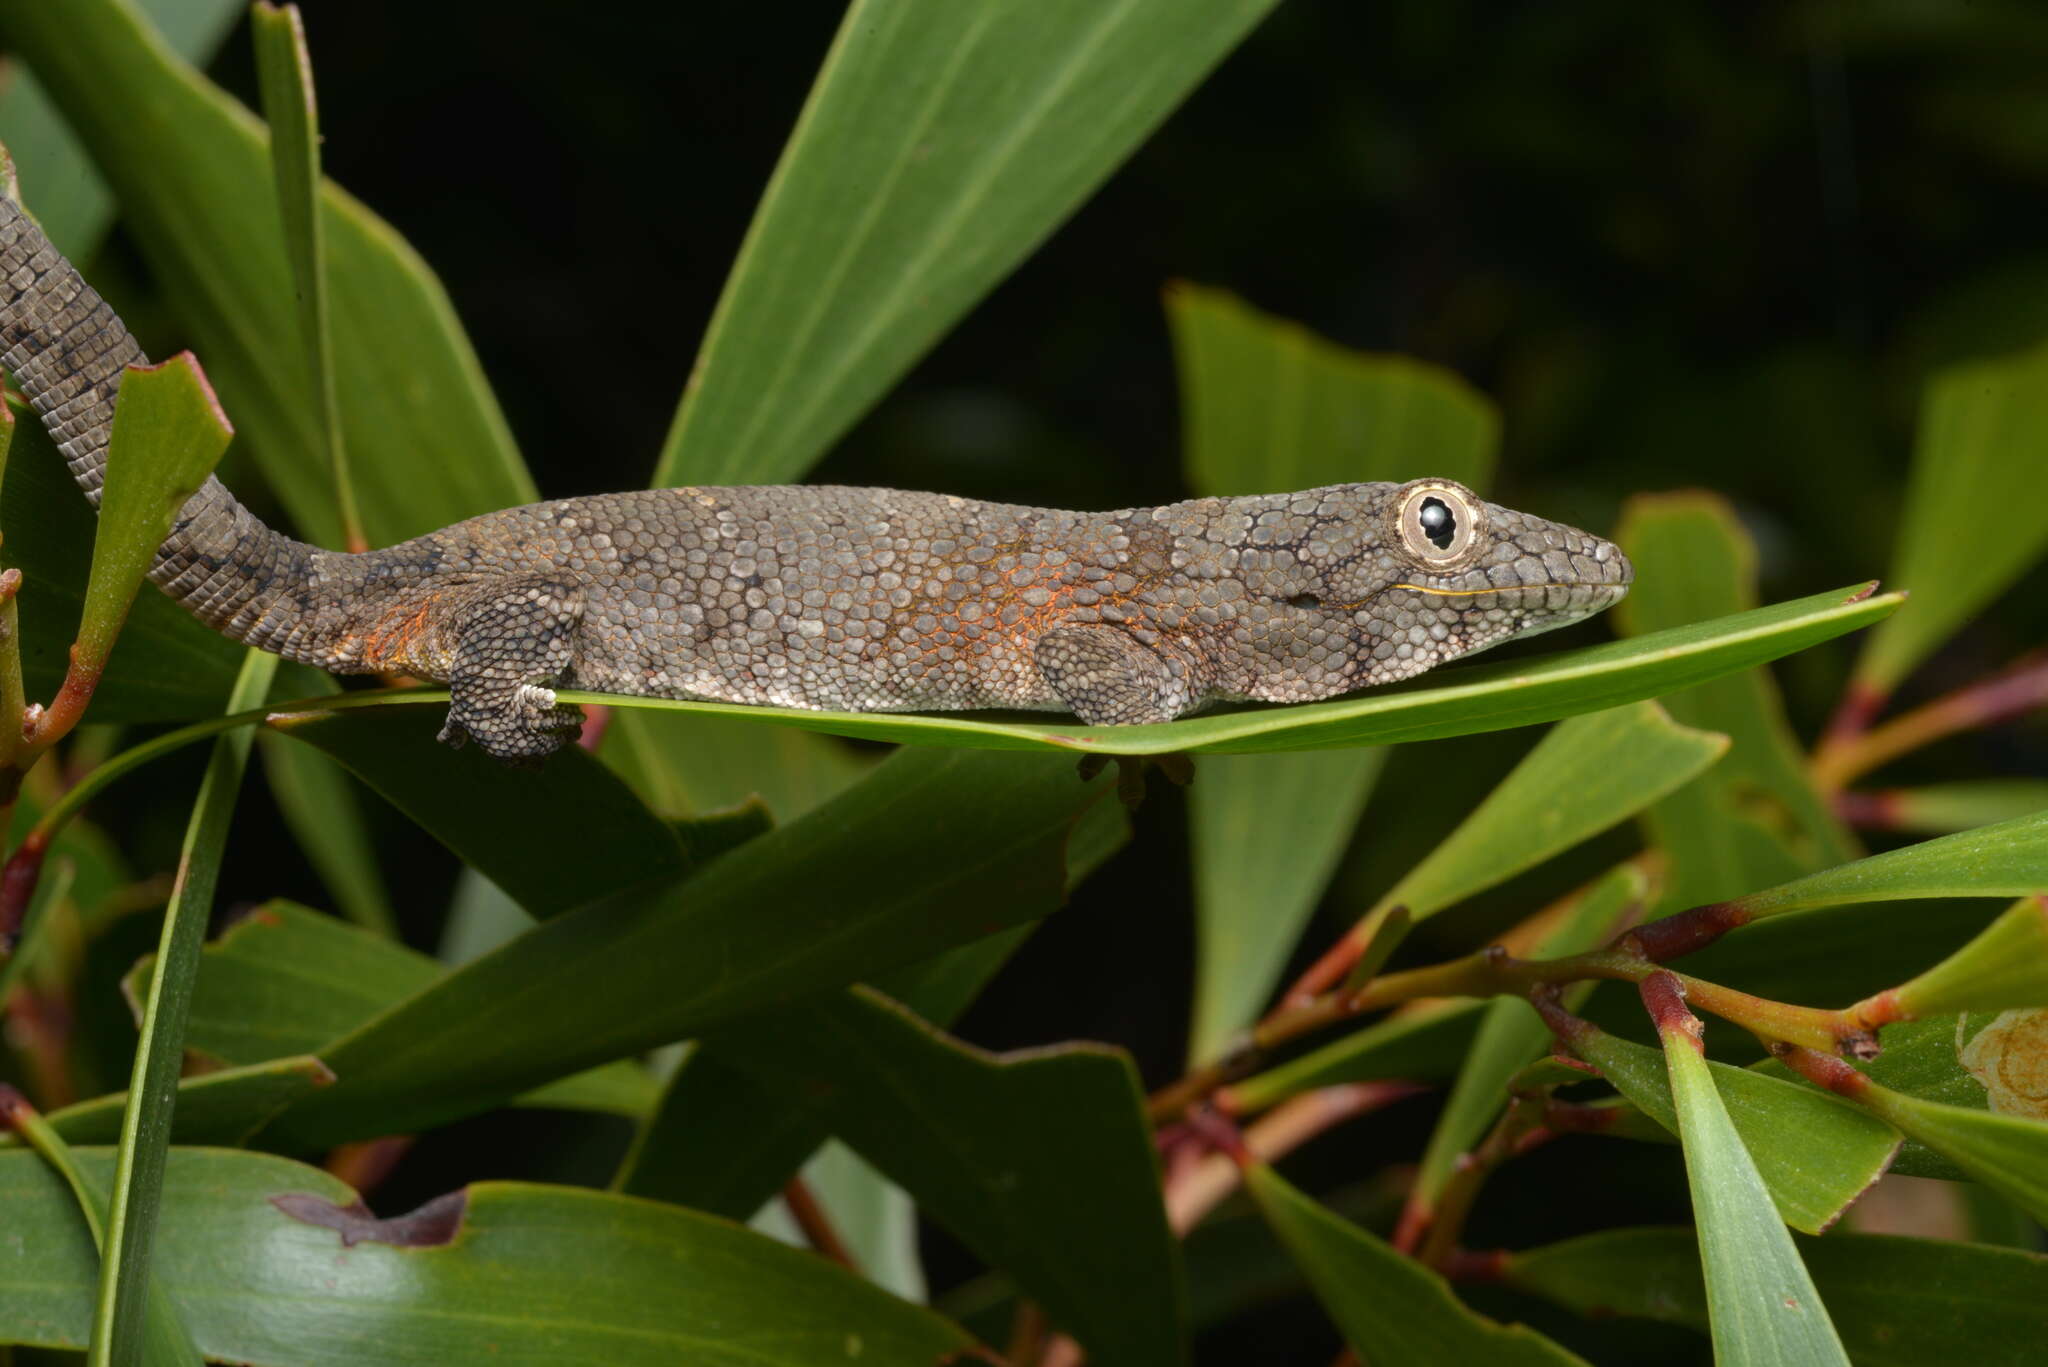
69	199
285	74
1761	1302
191	169
1943	808
165	1342
2007	1153
118	1316
168	434
940	144
1041	1162
570	1275
683	765
1423	1043
166	666
319	804
1267	406
2005	966
1815	1152
286	981
1755	818
1455	702
519	828
1983	443
2006	860
223	1107
1511	1034
935	848
719	1140
1393	1311
1610	764
1265	833
1897	1302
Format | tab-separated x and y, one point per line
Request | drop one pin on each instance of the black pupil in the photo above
1439	523
1304	600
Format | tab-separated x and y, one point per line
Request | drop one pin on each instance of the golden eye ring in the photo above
1439	522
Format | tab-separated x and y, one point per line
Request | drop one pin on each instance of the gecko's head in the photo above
1359	584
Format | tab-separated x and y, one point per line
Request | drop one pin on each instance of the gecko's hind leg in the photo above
511	646
1107	677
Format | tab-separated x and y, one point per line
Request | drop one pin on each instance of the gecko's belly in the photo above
764	666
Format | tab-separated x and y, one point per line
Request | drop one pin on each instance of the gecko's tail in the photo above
66	350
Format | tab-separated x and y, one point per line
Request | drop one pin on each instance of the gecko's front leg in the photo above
1107	677
509	649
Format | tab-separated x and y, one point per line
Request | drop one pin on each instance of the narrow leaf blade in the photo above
1983	443
1612	764
1456	702
1393	1311
118	1317
941	143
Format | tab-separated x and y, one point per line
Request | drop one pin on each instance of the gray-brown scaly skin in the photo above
861	600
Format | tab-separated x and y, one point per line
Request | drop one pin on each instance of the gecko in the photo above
827	597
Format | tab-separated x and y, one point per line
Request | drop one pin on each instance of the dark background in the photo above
1703	244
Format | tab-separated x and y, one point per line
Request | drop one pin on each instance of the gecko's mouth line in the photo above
1512	588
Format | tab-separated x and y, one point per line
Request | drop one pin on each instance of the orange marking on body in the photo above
387	642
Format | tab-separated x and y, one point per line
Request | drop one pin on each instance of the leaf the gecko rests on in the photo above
1454	702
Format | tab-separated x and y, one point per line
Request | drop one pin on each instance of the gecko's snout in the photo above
1615	568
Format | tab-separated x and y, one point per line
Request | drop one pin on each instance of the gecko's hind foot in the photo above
522	728
515	633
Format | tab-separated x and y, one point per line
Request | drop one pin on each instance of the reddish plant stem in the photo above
816	1225
1858	709
1518	1130
1469	1266
1664	998
1684	932
14	1107
1335	964
44	727
1193	1189
1027	1335
1493	972
1823	1070
2018	689
1062	1352
18	877
1878	811
39	1029
597	719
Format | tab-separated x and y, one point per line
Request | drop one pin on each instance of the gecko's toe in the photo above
525	726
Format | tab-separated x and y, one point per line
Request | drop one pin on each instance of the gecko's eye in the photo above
1439	522
1304	600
